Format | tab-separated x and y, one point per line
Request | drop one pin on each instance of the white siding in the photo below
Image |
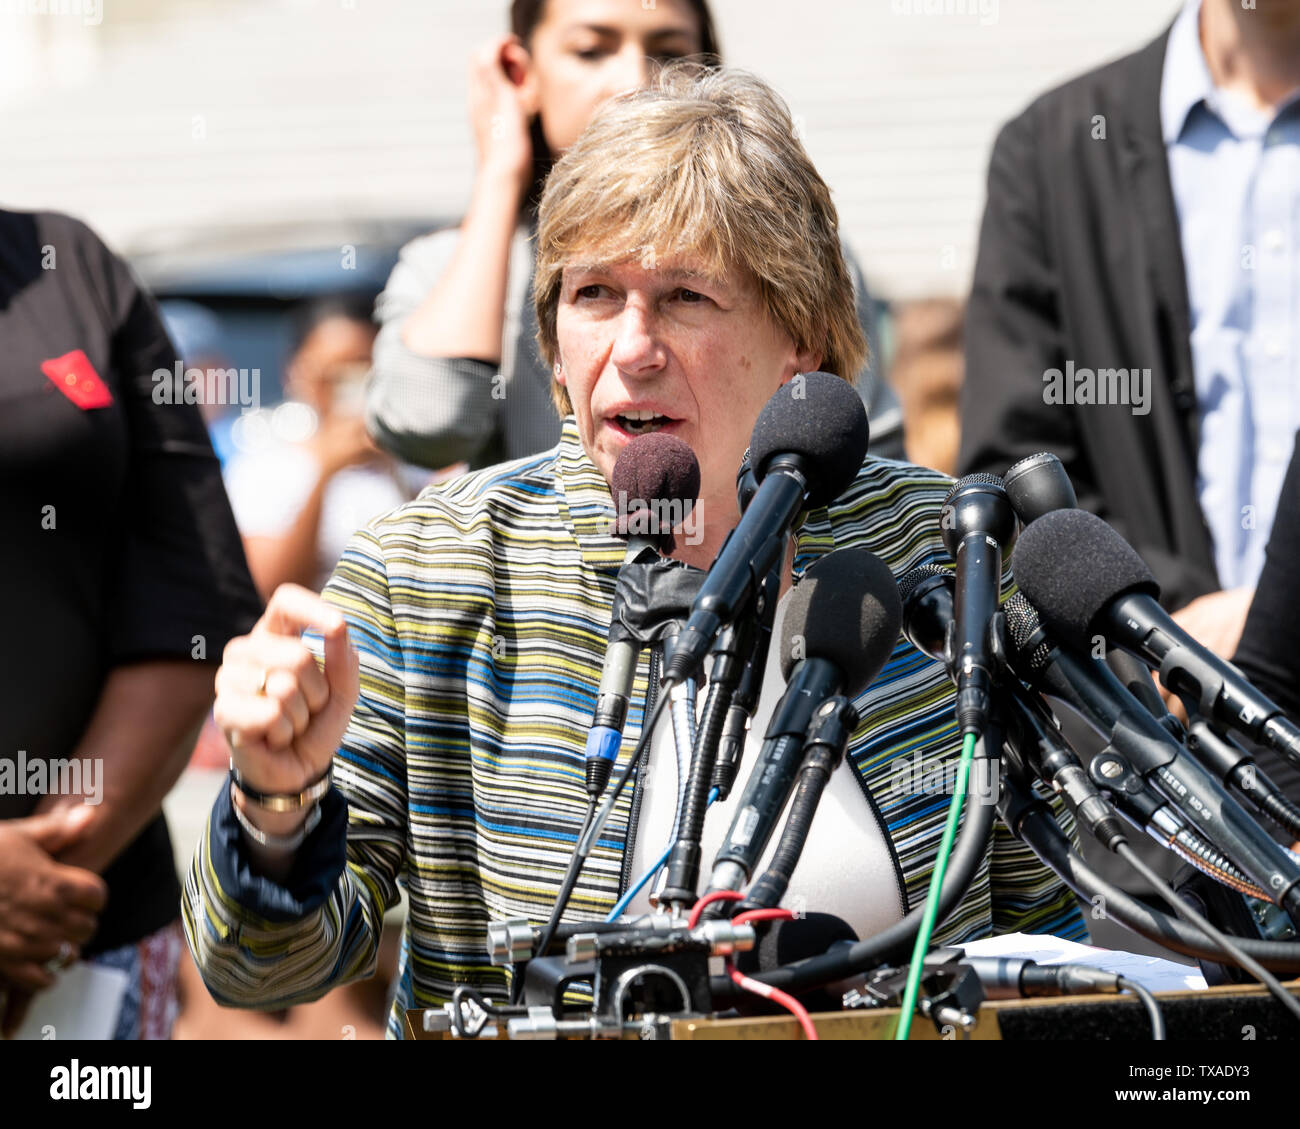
169	115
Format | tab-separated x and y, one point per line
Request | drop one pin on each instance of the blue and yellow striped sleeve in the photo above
263	944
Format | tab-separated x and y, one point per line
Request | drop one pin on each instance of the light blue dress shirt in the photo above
1236	183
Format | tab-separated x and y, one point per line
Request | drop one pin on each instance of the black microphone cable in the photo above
1038	828
1148	1001
1187	913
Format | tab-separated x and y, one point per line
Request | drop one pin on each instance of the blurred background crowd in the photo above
329	201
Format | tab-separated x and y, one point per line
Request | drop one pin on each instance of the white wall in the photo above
166	116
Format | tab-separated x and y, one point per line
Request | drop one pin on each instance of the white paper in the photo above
82	1004
1153	973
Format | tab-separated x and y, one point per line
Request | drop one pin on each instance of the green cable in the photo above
936	883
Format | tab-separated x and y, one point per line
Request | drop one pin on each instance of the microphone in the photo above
1018	978
808	445
1038	485
926	595
1137	743
656	477
744	699
1086	580
655	483
840	628
977	524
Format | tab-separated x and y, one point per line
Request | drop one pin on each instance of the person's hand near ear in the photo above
464	314
500	108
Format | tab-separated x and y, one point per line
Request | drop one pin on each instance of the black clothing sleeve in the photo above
1268	653
181	586
1079	269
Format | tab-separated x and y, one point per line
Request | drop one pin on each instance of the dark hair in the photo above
525	15
315	312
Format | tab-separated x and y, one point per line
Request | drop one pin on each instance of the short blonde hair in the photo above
704	162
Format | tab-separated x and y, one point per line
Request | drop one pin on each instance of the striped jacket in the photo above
481	612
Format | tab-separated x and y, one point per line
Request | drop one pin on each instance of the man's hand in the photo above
47	909
1216	621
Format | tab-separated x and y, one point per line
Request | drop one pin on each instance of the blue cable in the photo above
635	889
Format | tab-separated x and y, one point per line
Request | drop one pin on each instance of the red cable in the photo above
766	990
715	896
762	915
776	996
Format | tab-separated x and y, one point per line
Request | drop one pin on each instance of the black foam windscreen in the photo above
820	417
654	471
784	942
845	609
1071	564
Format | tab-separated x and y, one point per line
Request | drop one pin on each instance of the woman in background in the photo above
457	376
309	476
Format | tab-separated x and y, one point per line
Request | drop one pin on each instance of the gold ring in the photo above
261	686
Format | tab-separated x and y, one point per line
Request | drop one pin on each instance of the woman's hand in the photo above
47	909
498	113
283	715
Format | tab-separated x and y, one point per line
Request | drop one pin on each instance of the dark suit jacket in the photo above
1080	260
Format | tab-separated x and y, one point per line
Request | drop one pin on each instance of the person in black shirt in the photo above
124	577
1268	654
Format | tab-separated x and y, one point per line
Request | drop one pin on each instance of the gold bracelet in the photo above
276	842
283	801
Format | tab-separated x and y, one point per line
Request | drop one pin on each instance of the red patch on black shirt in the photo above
74	376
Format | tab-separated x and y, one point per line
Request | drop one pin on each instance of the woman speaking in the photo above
688	266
